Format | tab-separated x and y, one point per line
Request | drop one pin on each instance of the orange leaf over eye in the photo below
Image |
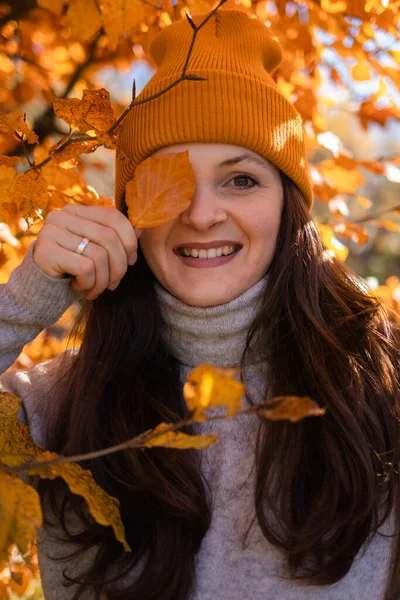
161	189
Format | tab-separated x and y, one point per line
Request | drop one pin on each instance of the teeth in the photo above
210	253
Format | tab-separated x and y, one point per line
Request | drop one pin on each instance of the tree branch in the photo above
140	440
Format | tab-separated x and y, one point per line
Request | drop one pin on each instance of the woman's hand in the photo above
103	263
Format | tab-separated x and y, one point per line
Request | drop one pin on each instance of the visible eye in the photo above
243	177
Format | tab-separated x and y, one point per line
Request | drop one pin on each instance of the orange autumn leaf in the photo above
68	156
11	161
208	386
54	6
389	225
29	192
179	440
292	408
352	231
160	190
14	121
84	18
344	178
20	578
332	244
92	112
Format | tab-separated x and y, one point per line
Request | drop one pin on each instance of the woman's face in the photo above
236	206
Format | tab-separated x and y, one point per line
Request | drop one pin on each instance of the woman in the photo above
272	510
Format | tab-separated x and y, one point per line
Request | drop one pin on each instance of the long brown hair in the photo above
328	481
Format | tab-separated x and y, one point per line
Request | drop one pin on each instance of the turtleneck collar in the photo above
212	334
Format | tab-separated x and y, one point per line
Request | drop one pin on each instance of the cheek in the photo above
263	226
153	243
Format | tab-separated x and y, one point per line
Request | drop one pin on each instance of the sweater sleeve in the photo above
30	301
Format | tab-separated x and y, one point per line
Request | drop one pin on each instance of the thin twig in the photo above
367	218
134	102
136	442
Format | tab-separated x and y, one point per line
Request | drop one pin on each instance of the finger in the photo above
100	235
94	279
108	217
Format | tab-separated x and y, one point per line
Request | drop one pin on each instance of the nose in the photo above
204	211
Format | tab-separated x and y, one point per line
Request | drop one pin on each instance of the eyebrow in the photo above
243	158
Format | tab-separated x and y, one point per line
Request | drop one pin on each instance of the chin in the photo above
204	298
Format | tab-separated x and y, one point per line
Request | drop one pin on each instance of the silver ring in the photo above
82	245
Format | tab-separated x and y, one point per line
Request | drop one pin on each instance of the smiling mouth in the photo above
210	252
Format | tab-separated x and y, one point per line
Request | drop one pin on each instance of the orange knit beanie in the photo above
238	104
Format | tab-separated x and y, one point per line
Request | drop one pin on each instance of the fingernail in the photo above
113	286
132	259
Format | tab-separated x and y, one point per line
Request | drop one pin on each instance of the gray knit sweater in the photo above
227	569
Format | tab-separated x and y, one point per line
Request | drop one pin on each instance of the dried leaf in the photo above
29	192
162	187
92	112
104	508
14	121
292	408
179	440
208	386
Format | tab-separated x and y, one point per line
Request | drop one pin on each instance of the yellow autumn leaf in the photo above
179	440
92	112
29	192
104	508
333	245
84	18
14	121
20	511
208	386
17	446
162	187
292	408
